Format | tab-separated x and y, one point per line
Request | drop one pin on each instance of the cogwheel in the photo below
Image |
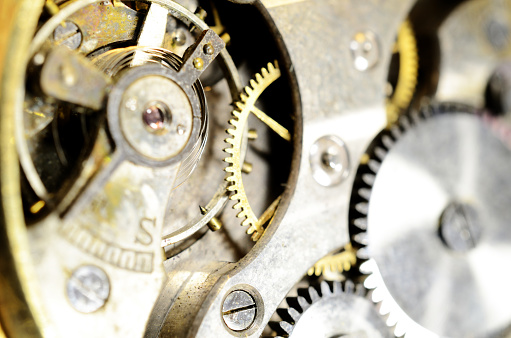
244	107
421	202
406	48
336	263
330	309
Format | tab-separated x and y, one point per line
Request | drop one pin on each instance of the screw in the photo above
459	227
68	34
208	49
329	160
364	50
497	33
239	310
179	37
88	288
198	63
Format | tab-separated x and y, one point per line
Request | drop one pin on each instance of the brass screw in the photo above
198	63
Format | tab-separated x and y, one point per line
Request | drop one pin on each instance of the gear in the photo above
336	263
402	93
243	109
331	309
427	207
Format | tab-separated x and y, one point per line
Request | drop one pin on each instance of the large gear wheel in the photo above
331	309
404	88
244	108
431	206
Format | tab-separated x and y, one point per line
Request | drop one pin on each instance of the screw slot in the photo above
88	289
239	310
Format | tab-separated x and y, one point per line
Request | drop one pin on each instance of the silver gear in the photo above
431	221
331	309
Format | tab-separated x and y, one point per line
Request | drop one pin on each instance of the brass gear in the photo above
335	263
242	110
406	47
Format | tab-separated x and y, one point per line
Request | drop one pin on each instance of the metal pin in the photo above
246	167
252	134
214	224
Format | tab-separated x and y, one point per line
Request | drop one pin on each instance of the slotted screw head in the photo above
88	288
239	310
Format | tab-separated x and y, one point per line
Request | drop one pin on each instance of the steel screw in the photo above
460	229
88	288
498	34
329	160
179	37
68	35
208	49
364	50
239	310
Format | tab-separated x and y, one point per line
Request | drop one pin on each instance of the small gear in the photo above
244	108
427	207
335	263
404	88
331	309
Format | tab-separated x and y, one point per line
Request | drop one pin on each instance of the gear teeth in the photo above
387	141
363	254
259	78
314	295
369	179
396	132
243	108
249	91
361	223
288	315
347	292
295	315
408	72
349	286
365	193
378	150
405	123
380	153
374	165
361	238
325	289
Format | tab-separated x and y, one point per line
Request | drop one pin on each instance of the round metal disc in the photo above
454	290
